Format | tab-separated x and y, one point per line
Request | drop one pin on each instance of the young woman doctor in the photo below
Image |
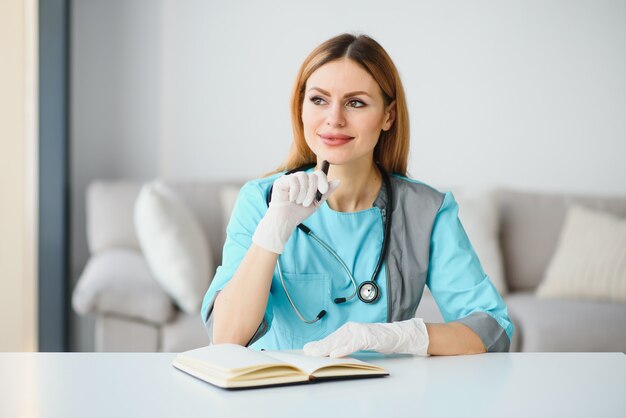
346	272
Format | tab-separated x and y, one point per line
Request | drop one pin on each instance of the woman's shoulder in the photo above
260	185
264	182
408	185
412	192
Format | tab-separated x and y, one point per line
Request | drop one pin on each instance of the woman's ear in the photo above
390	116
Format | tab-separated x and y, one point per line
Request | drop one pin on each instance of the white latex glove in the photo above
408	337
293	200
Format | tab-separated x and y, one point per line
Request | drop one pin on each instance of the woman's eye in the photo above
355	103
316	100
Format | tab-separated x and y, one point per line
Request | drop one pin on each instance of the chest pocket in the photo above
310	293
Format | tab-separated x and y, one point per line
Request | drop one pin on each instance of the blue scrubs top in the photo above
314	278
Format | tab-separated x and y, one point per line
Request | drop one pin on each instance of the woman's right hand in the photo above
293	200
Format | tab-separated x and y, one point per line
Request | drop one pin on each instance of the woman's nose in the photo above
335	116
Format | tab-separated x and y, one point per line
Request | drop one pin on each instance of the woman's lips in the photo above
332	140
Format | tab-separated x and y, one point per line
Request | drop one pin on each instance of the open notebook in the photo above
233	366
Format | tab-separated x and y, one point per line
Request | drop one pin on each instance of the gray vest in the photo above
415	208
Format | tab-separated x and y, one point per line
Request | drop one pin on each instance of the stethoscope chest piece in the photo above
368	292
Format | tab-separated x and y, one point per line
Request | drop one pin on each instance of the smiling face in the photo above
344	112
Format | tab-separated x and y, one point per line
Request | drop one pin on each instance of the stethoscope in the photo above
368	291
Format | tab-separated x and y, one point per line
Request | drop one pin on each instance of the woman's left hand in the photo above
408	336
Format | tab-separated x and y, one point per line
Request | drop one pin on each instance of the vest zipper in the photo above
387	278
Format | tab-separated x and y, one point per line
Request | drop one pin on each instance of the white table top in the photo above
487	385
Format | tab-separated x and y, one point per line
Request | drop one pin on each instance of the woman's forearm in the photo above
239	307
452	339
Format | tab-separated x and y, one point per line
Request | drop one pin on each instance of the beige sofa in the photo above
133	313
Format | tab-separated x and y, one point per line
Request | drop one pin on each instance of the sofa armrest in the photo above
118	282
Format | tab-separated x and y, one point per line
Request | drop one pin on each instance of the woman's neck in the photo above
360	185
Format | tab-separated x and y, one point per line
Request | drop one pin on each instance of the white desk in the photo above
507	385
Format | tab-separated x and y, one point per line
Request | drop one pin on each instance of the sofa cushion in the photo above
590	260
117	334
174	245
567	325
110	206
428	309
530	224
203	198
478	212
110	215
228	198
118	282
185	332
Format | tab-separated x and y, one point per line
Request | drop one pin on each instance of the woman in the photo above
352	277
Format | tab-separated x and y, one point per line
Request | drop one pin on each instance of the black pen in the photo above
325	165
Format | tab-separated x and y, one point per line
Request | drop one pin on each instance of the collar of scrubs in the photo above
381	198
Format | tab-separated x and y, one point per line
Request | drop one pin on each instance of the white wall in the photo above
526	94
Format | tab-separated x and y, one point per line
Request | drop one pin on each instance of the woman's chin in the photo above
335	158
332	159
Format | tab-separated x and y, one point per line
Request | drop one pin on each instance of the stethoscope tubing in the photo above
293	305
347	270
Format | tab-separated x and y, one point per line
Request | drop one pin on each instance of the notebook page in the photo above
309	364
231	358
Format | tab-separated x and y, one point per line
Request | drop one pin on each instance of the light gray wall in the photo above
527	94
